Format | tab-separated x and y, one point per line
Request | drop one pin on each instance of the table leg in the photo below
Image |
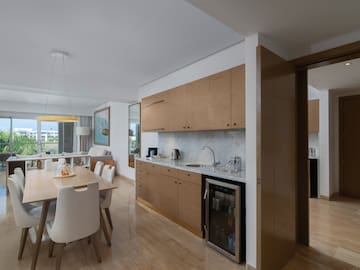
39	234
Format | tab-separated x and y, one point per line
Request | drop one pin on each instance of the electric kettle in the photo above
175	154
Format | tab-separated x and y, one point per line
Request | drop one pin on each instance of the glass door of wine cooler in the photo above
222	218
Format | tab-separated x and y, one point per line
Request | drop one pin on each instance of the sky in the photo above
26	123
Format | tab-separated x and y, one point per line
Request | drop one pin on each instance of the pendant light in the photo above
58	55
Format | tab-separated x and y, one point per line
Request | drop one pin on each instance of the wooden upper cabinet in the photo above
154	112
177	108
238	97
197	104
219	95
213	103
313	115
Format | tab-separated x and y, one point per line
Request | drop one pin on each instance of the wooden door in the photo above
168	190
276	167
177	108
313	115
350	146
190	205
154	112
238	97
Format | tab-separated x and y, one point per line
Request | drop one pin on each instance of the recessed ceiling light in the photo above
347	64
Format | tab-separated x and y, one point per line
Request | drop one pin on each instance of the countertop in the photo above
207	170
44	156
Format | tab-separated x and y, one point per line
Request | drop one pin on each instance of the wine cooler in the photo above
224	221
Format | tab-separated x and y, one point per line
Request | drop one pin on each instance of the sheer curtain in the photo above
86	141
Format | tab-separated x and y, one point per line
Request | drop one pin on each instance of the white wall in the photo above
324	142
119	137
251	86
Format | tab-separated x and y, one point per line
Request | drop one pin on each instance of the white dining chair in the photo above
98	167
20	177
108	174
26	216
75	223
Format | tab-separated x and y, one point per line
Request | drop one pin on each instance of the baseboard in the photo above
249	267
332	197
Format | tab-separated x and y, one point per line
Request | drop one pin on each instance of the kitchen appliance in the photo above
224	219
175	154
152	151
234	164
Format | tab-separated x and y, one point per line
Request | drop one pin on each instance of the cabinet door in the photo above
177	108
168	190
238	97
152	189
198	100
220	100
313	115
154	112
190	204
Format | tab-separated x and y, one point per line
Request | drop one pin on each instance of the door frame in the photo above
303	64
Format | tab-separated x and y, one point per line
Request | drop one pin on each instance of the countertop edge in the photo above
201	170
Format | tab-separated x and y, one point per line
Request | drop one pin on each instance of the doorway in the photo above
331	187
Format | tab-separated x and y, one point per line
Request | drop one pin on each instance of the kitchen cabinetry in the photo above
238	97
313	115
174	193
154	112
215	102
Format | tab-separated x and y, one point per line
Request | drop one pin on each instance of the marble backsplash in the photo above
226	144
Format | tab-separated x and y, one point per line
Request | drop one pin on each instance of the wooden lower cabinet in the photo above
174	193
190	204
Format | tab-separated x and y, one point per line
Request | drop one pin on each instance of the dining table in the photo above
43	186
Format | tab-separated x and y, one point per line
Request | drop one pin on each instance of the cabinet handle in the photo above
175	182
188	174
184	127
188	127
228	125
179	183
234	124
156	102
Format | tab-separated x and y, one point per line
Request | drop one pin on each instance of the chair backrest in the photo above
108	173
77	214
20	178
98	167
22	218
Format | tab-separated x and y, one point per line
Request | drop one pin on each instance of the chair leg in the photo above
105	230
24	234
59	256
51	248
107	212
96	248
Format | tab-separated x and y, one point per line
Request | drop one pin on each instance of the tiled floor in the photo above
143	239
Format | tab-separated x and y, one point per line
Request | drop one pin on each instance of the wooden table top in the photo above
41	185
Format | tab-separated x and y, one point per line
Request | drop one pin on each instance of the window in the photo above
5	130
24	136
29	136
50	137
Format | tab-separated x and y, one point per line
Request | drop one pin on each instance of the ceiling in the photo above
298	26
117	46
336	76
114	46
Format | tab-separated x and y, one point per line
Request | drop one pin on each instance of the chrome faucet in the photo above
213	154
